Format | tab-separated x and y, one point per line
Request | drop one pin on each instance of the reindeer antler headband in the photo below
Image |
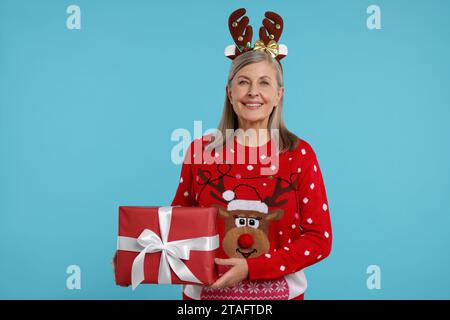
269	34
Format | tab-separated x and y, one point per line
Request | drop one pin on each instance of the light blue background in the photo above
86	118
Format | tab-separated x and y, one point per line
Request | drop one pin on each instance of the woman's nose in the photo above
253	91
245	241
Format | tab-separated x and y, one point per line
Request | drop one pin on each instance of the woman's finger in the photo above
222	281
225	262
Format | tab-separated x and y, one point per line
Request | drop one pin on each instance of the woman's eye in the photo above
254	223
246	82
240	222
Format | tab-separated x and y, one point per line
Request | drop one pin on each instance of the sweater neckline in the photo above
267	143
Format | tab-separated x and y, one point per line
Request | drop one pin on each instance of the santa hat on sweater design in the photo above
244	197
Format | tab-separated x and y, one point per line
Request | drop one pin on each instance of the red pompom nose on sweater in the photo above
245	241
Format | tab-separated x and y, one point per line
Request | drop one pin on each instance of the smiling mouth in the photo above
253	106
246	254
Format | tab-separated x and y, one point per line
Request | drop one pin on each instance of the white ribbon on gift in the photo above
171	252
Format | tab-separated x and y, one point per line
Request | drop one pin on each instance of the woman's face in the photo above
254	92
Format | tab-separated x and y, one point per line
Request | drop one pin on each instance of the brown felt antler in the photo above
241	32
272	27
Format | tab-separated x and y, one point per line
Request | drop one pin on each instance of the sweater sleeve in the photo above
184	196
314	242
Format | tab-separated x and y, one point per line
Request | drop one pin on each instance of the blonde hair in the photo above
229	120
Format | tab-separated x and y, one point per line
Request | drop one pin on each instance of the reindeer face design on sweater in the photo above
246	232
247	217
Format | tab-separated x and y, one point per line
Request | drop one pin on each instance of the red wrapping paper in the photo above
186	223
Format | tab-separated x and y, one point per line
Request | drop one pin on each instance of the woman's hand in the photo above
232	277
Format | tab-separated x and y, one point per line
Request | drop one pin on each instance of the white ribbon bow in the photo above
171	252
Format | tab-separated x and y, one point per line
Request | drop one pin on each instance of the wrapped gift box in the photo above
174	245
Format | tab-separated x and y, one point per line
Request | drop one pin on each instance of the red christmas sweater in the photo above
273	212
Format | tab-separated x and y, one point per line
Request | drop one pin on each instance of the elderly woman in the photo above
274	217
